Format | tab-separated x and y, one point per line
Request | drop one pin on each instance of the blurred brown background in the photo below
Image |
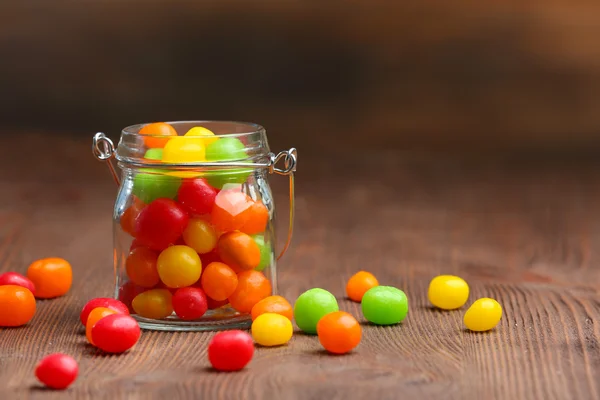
359	74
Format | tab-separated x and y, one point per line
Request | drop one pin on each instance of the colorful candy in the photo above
184	149
272	329
160	224
266	252
190	303
157	129
258	217
96	315
230	210
384	305
311	306
230	350
105	302
339	332
141	269
57	371
13	278
200	236
179	266
219	281
483	315
273	304
239	251
208	136
359	283
130	214
116	333
127	292
17	305
151	184
227	149
153	304
52	277
252	287
197	196
448	292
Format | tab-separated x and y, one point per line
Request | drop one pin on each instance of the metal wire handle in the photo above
104	150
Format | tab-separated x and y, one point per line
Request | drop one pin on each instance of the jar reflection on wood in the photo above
194	221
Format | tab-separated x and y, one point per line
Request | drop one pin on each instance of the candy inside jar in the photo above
194	226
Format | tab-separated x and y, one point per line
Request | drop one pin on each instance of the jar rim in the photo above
254	128
132	145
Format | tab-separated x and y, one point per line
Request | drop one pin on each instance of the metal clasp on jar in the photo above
104	150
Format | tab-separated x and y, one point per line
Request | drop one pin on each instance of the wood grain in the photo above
522	229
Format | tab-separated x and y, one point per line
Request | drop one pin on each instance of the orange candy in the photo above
159	129
52	277
128	217
252	287
358	285
141	267
219	281
339	332
17	305
96	315
231	210
239	251
257	219
273	304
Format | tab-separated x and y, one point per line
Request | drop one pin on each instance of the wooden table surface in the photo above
523	230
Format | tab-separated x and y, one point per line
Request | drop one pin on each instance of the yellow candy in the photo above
200	236
270	329
448	292
153	304
483	315
181	149
201	131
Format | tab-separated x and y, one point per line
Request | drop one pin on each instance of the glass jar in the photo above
194	222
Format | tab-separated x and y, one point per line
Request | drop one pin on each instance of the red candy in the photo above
214	304
190	303
13	278
127	293
116	333
57	371
106	302
160	224
197	196
230	350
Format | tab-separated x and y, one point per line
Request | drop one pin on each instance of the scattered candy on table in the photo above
106	302
359	283
311	306
96	315
230	350
483	315
339	332
116	333
57	371
384	305
17	305
448	292
270	329
52	277
14	278
273	304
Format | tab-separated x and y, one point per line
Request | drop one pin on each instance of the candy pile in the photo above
198	240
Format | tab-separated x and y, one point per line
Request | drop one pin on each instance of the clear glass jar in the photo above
194	222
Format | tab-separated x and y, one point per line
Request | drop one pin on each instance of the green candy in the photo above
384	305
154	184
265	252
311	306
227	149
154	154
